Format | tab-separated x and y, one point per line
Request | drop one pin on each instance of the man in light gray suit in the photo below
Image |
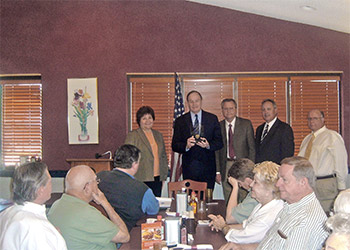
241	139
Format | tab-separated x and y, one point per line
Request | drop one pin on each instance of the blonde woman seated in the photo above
263	215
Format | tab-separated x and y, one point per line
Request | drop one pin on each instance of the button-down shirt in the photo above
328	154
26	227
299	225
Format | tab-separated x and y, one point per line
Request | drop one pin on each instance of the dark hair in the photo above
125	156
228	100
269	100
241	169
193	91
144	110
27	179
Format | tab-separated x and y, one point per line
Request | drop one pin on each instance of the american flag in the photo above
179	109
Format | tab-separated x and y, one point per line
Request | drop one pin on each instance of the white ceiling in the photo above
329	14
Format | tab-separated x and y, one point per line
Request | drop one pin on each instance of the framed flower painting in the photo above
82	111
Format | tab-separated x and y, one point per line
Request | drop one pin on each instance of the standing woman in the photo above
153	168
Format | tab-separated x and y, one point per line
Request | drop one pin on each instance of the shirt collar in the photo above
319	131
271	122
193	117
228	123
296	205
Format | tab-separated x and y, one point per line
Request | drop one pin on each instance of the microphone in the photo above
97	155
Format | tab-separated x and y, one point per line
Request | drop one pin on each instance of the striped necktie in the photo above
265	132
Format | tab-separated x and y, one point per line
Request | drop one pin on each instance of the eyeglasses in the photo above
314	118
98	180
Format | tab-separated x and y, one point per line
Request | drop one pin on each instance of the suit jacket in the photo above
277	145
145	172
198	163
243	144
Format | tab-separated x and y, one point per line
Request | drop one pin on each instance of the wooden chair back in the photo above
198	187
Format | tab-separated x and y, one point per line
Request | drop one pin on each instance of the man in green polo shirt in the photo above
82	225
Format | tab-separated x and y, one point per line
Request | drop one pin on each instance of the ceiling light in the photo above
307	8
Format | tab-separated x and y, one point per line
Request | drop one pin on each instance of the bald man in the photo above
82	225
326	151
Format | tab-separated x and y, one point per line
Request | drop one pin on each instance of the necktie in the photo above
265	132
231	151
309	147
196	126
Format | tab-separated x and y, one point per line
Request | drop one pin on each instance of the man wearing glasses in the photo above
82	225
326	151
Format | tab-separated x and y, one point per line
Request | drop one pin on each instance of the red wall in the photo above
107	39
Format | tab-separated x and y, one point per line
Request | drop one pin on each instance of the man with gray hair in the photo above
82	225
24	225
301	222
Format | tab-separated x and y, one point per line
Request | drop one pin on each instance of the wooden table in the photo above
203	233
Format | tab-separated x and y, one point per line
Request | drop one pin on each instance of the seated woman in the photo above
263	215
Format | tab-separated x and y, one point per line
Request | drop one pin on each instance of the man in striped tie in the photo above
274	139
197	136
326	151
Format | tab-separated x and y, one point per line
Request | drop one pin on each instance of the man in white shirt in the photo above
326	151
24	225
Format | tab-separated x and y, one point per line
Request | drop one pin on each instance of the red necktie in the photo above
230	142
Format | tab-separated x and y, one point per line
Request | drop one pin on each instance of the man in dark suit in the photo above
238	143
274	139
197	136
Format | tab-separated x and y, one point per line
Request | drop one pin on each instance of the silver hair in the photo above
302	168
339	223
342	202
27	179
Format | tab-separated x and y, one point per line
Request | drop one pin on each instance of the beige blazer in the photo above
145	173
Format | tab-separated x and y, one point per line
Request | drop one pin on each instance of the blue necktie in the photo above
196	126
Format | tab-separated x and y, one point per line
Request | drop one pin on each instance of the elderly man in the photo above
326	151
131	199
82	225
197	136
301	223
238	139
24	225
274	139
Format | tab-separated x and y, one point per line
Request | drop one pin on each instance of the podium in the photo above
97	164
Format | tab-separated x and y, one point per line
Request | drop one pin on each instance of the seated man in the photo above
82	225
131	198
24	225
240	174
301	222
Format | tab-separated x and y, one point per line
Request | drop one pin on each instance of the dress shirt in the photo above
328	154
150	205
270	124
26	227
299	225
257	224
227	124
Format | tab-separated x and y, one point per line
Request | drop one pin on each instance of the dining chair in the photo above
189	185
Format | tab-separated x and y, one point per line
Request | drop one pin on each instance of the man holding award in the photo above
197	136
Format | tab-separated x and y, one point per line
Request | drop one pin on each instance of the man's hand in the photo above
233	182
203	143
218	178
217	223
99	197
190	142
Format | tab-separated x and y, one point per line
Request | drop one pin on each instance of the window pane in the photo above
21	120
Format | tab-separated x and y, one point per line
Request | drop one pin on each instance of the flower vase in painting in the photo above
82	109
